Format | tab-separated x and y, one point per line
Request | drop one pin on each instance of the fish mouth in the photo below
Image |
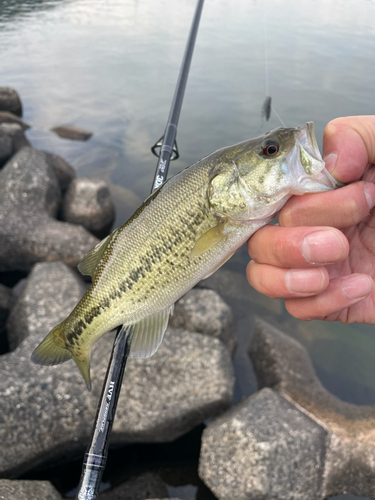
307	141
312	176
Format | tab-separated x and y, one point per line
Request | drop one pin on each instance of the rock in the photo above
72	132
10	101
7	301
18	287
283	363
36	304
46	413
263	448
138	488
27	490
8	117
30	196
204	311
88	202
64	172
15	133
235	285
6	147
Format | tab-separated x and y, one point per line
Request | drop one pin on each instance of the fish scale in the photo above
182	233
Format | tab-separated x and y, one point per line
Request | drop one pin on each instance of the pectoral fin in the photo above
209	240
147	334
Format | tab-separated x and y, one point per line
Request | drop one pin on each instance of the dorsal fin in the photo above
90	261
147	334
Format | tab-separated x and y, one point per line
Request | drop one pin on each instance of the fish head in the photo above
254	179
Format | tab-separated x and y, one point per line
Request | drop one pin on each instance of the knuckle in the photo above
267	282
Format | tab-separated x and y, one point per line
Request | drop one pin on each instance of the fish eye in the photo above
270	147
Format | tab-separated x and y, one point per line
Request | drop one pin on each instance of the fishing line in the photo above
274	110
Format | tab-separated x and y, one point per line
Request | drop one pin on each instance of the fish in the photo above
266	108
186	230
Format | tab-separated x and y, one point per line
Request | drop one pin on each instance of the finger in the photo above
276	282
348	146
342	208
340	294
298	247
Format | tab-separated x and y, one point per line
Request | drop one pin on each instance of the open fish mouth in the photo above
311	158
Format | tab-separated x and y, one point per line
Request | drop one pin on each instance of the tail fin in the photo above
49	352
84	368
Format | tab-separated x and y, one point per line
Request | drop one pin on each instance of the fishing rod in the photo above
166	149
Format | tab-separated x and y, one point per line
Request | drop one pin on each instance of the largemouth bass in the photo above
181	234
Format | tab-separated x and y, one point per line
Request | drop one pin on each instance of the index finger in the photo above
349	146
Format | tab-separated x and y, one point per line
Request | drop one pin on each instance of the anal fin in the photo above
147	334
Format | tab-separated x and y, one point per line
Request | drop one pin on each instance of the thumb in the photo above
349	146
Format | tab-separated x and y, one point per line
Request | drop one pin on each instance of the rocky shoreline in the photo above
289	440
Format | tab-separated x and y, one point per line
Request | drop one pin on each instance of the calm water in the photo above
111	67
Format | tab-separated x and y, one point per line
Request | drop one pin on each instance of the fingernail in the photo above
357	286
322	247
369	190
330	161
304	280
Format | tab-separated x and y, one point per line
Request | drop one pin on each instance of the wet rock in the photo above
29	199
15	133
8	117
139	488
10	101
204	311
64	172
283	363
264	447
72	132
27	490
46	413
88	202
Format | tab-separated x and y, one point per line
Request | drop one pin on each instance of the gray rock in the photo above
6	147
263	448
72	132
10	101
7	301
137	488
27	490
16	134
235	285
204	311
8	117
283	363
18	287
88	202
29	199
46	413
64	172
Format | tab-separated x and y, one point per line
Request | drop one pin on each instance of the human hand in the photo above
321	257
